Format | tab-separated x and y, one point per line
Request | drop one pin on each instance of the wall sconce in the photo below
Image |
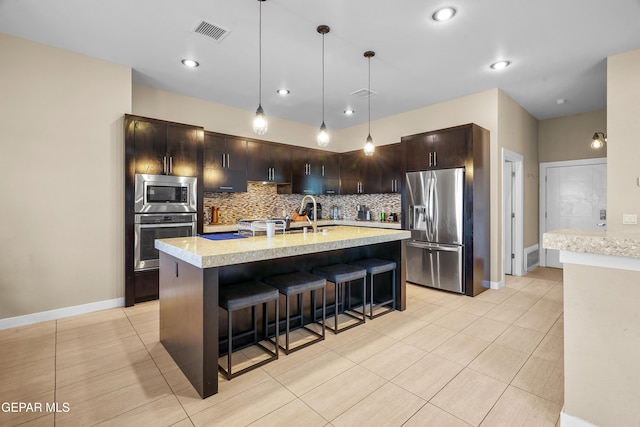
598	140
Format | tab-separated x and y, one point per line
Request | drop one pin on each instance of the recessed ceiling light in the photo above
190	63
500	65
444	14
349	112
561	101
283	92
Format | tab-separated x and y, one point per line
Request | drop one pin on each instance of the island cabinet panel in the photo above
163	148
224	163
390	164
314	171
268	162
359	174
441	149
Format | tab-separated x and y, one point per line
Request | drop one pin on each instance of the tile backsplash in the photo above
262	201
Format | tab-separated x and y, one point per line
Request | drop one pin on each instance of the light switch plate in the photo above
629	219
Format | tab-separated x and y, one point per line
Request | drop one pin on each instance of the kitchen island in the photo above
601	326
193	268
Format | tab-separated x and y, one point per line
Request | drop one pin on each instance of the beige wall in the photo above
61	178
569	137
623	114
163	105
518	132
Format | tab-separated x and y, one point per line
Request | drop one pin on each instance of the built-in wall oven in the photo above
149	227
165	207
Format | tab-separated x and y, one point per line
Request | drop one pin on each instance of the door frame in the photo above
543	193
518	204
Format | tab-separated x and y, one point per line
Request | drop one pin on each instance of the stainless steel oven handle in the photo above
166	225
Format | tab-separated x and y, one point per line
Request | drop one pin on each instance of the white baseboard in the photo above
29	319
567	420
494	285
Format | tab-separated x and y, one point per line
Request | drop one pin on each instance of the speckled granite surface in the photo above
205	253
225	228
594	242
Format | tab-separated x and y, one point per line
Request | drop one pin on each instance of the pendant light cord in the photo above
323	78
369	97
260	56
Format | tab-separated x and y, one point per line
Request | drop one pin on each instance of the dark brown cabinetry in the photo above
390	165
159	148
224	163
162	148
359	174
464	146
443	149
314	171
268	162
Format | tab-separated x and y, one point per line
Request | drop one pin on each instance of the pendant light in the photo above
323	134
369	148
260	121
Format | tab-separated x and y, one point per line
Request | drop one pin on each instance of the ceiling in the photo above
558	50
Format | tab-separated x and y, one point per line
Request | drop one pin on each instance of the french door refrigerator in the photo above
434	202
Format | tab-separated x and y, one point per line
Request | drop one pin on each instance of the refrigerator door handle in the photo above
434	247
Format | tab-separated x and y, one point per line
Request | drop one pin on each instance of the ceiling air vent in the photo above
363	93
213	31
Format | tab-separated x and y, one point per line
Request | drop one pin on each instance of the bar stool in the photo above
244	295
298	283
377	266
340	275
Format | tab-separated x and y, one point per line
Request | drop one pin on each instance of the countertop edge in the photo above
593	242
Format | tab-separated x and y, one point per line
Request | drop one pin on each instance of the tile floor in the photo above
448	360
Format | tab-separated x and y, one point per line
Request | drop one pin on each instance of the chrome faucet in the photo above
313	223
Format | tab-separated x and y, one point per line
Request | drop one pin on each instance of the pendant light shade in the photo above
260	124
369	148
323	134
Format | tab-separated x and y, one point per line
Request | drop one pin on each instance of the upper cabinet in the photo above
441	149
359	174
314	171
163	148
225	163
390	164
268	162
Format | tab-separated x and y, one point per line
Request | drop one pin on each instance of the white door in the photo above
509	216
576	197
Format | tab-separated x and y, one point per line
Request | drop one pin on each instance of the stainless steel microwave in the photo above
165	194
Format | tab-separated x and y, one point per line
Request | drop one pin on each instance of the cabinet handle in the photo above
430	158
223	160
331	191
435	158
225	188
322	170
170	165
228	160
164	165
307	191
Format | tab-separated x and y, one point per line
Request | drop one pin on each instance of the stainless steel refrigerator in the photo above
435	205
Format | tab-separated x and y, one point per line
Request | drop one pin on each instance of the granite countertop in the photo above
204	253
624	244
225	228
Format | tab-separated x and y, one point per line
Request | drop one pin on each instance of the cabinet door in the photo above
182	150
150	142
358	173
419	150
389	161
329	164
450	148
268	162
225	167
